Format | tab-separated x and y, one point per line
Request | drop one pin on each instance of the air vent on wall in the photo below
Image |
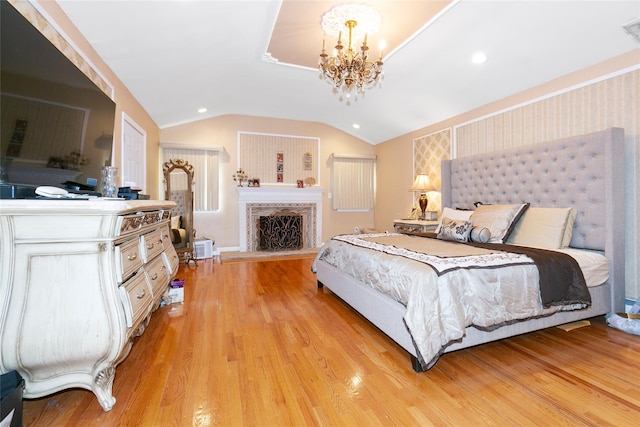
633	28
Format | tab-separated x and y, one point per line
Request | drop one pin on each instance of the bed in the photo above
584	173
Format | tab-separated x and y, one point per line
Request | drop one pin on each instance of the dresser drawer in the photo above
171	259
151	245
158	276
128	259
129	224
136	299
165	237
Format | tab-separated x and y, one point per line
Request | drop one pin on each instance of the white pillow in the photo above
456	230
568	230
499	219
541	228
175	222
456	214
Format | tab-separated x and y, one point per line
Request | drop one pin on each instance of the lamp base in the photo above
423	202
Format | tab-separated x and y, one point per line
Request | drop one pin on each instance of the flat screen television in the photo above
56	124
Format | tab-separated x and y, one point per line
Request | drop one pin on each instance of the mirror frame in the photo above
186	253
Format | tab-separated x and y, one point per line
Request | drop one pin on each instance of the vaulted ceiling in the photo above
259	57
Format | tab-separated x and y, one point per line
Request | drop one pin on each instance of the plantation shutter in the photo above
353	182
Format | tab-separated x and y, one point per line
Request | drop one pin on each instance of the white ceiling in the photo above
178	56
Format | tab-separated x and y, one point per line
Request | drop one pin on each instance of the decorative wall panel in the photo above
428	152
278	159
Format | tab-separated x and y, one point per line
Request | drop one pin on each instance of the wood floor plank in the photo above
256	343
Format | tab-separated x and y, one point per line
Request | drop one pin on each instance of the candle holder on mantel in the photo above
240	176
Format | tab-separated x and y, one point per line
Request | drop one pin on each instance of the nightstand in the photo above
413	226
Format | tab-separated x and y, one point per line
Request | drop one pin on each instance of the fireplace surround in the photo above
263	201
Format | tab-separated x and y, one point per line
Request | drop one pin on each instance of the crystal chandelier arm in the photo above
364	48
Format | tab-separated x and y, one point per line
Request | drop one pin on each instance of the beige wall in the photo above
51	21
602	96
223	225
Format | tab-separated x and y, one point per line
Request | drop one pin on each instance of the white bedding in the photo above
594	265
439	308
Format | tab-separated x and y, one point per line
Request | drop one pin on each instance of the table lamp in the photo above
421	185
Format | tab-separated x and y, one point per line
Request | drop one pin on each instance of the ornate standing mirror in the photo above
178	178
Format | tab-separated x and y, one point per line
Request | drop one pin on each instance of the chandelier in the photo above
350	70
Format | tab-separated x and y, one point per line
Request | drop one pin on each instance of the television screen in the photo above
57	125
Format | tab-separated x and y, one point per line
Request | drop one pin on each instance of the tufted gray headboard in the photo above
180	197
584	172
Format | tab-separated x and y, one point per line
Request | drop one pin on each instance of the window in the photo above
353	182
205	163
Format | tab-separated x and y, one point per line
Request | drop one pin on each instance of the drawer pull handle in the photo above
155	276
163	268
150	246
141	294
160	241
132	256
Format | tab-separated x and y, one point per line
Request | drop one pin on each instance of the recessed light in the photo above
202	110
356	126
479	58
633	28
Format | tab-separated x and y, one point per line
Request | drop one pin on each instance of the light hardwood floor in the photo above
257	344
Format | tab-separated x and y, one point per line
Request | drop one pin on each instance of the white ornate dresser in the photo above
79	280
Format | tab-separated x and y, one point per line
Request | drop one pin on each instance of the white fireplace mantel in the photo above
281	196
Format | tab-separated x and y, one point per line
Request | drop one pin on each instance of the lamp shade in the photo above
422	184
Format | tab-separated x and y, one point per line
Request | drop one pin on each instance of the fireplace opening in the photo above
280	231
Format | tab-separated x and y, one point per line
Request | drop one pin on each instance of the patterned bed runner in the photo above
451	256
